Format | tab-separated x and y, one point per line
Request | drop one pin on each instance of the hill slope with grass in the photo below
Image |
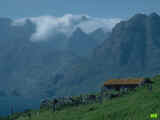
135	105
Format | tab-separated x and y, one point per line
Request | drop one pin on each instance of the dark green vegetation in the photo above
136	105
4	118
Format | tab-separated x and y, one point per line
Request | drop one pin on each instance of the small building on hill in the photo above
129	83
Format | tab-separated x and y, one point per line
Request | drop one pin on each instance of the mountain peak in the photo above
138	17
99	30
98	33
84	18
154	14
78	32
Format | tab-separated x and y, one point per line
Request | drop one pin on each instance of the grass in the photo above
136	105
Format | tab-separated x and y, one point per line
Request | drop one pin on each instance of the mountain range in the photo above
28	66
131	50
62	65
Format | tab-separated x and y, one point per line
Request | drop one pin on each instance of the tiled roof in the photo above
129	81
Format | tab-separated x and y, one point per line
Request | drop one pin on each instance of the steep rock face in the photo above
153	41
99	35
133	44
81	43
13	40
38	67
132	49
126	45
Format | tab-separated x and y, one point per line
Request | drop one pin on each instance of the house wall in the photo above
118	87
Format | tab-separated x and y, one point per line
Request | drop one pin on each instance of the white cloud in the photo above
19	22
49	25
95	23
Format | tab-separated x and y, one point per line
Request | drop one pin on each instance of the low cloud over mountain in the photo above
47	26
80	63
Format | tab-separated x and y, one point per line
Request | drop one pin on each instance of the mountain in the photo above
83	44
132	49
28	66
12	40
79	42
133	44
58	41
99	35
41	68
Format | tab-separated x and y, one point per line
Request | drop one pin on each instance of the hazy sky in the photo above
95	8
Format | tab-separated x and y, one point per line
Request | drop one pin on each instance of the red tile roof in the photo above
129	81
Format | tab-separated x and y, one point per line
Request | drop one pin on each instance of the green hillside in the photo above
136	105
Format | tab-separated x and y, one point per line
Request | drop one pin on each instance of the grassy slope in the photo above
136	105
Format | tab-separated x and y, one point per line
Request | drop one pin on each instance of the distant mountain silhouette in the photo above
83	44
30	68
131	50
77	64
